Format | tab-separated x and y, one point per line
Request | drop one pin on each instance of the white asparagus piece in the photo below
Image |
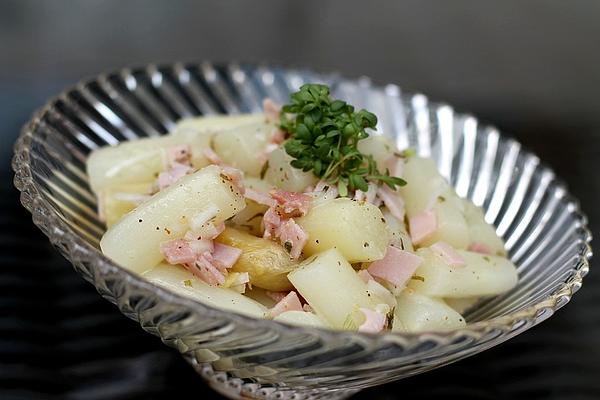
418	313
134	241
331	287
301	318
242	146
180	281
482	275
281	174
356	229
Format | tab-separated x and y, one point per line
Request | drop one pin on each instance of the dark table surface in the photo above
60	340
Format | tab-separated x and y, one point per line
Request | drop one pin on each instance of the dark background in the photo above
529	67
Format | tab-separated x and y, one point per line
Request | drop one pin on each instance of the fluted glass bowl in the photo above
544	230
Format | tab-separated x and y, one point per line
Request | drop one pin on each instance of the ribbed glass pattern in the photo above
545	232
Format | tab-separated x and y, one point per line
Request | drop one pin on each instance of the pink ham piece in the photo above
278	222
278	137
291	204
478	247
392	201
235	176
225	256
374	322
205	269
364	275
212	157
260	197
178	251
422	226
271	110
293	237
276	296
181	154
396	267
291	302
448	254
271	222
169	177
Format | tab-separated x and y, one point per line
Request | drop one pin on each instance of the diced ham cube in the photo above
396	267
212	157
278	137
448	254
276	296
392	201
169	177
260	197
422	226
478	247
225	256
271	110
365	275
178	251
271	222
180	154
374	323
293	237
235	176
278	222
291	204
291	302
205	269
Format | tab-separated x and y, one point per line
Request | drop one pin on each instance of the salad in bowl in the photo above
301	247
299	214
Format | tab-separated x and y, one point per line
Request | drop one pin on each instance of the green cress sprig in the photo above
324	136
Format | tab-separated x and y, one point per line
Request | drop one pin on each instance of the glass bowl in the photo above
242	357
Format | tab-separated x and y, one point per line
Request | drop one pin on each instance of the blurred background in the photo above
529	67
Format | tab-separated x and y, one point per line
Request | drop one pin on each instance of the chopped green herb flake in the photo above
409	153
188	282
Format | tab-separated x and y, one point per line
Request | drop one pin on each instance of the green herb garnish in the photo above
324	136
